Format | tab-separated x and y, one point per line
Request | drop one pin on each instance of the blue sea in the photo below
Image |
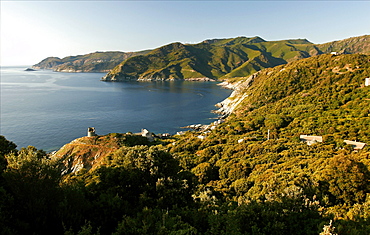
48	109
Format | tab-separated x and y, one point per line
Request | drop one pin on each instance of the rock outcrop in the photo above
90	152
227	106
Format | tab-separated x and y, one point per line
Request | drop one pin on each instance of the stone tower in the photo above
91	132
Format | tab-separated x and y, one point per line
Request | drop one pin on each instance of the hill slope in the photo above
257	153
325	92
93	62
252	174
87	153
351	45
225	58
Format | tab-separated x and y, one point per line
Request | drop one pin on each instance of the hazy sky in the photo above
34	30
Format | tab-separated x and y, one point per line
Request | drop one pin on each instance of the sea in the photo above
49	109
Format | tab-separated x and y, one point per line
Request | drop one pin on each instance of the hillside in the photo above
212	59
255	173
348	46
93	62
225	58
258	152
87	153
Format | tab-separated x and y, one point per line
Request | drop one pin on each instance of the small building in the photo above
356	145
202	137
310	139
334	53
367	81
91	132
147	134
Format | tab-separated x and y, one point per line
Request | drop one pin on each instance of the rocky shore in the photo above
114	78
227	106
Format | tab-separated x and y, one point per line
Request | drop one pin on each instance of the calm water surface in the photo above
48	109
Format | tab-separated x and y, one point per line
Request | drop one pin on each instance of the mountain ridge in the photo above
221	59
211	59
92	62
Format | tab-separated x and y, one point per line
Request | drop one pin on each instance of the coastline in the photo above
228	105
53	108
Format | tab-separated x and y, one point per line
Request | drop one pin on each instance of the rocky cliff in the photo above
227	106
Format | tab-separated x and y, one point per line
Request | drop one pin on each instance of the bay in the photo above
48	109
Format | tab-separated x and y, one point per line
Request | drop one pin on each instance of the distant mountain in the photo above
211	59
225	58
93	62
348	46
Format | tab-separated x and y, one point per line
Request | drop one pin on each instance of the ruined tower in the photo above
91	132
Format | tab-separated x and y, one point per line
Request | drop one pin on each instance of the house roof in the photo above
311	138
356	145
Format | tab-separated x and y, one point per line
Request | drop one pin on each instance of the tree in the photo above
32	181
6	147
347	179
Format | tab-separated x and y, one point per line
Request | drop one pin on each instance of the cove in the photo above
48	109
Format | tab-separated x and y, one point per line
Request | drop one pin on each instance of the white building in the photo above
356	145
310	139
367	81
147	134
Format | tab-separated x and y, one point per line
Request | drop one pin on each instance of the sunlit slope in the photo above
322	95
220	59
211	59
87	153
92	62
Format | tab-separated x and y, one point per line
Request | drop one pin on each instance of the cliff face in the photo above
227	106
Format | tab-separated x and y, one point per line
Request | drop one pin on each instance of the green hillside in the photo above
257	153
220	59
211	59
251	174
352	45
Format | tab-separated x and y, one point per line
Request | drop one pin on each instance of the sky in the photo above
33	30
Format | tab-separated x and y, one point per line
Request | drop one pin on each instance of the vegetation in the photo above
225	58
235	181
93	62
